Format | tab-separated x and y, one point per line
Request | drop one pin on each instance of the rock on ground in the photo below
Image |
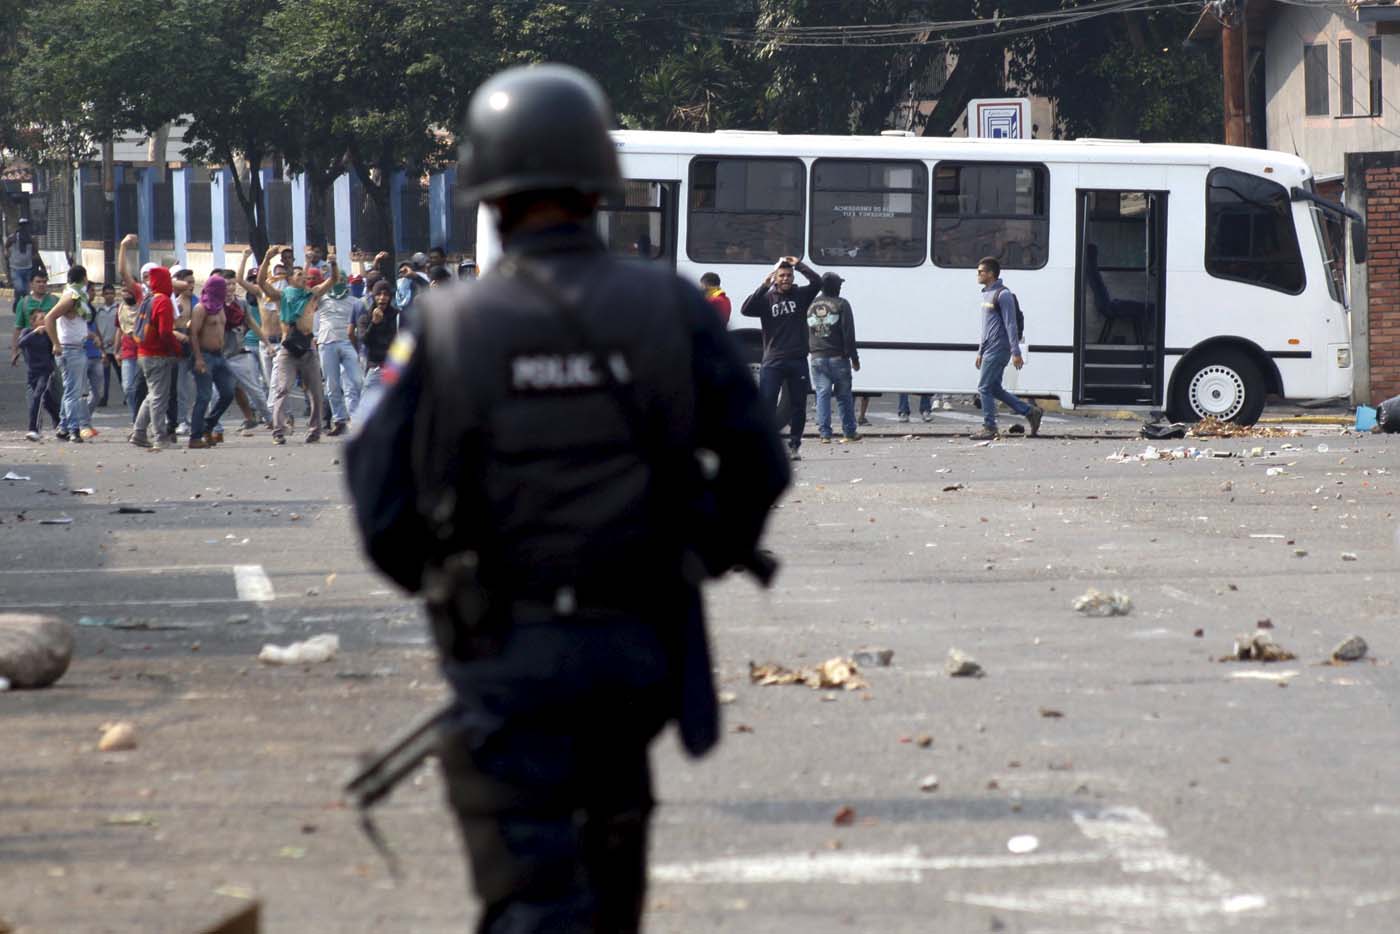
1351	649
34	650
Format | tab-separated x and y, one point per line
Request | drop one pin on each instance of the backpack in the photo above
1020	318
143	317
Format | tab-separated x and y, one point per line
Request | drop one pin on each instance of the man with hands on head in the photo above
781	308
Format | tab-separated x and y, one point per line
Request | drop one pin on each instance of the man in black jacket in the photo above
834	357
781	308
565	449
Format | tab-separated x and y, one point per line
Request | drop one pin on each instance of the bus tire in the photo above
1224	384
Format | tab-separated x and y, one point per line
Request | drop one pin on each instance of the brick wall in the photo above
1372	187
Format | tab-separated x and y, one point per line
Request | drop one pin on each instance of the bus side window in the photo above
869	213
1249	232
745	210
990	209
638	225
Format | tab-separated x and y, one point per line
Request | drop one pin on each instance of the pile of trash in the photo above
1211	427
832	673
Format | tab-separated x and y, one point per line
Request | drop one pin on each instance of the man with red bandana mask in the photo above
157	352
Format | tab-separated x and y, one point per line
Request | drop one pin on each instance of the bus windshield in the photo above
1331	237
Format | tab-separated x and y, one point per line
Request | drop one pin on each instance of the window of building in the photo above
745	210
1249	232
999	210
640	223
90	179
278	193
1344	71
869	213
163	207
1373	47
235	220
201	212
1316	103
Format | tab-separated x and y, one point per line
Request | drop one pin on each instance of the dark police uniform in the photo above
582	430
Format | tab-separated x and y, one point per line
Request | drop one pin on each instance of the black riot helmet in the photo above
538	128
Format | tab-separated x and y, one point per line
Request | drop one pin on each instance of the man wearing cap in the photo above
832	342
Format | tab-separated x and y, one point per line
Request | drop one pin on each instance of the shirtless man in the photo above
211	369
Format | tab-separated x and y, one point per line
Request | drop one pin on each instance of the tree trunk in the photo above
978	73
318	194
250	201
378	233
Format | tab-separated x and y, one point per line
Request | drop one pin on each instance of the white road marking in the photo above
853	868
154	601
1192	894
253	583
169	569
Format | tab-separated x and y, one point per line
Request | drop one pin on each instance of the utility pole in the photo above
1232	40
109	215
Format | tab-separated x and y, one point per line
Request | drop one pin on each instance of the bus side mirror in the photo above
1358	242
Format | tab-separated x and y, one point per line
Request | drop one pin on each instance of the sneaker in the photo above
902	417
61	434
182	429
140	440
76	437
87	434
863	422
337	430
794	454
248	424
279	439
1033	418
927	416
849	438
215	437
312	437
199	444
32	436
826	439
986	434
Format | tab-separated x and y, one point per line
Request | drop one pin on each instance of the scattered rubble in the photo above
928	783
1350	649
870	657
1022	844
117	737
311	651
34	650
845	816
962	665
832	673
923	741
1348	556
1215	428
1097	603
1258	646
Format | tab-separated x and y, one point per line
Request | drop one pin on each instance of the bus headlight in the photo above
1343	357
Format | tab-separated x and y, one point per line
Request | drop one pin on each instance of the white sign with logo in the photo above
999	118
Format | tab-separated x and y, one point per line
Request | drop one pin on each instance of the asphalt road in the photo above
1173	793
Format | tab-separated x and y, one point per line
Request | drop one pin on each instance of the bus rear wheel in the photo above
1221	384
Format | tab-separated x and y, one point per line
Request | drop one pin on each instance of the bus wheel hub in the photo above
1217	391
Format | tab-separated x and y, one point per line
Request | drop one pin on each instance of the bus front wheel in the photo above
1222	384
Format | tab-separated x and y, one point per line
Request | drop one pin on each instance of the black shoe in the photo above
61	434
248	424
337	430
1033	418
986	434
794	454
279	439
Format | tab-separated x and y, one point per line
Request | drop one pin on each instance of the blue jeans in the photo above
834	374
73	365
989	389
39	397
94	383
216	373
925	404
133	386
339	361
792	374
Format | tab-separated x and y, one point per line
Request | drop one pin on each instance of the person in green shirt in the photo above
38	299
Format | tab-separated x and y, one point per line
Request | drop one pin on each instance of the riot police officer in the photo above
565	449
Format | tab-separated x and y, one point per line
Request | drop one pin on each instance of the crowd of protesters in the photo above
269	338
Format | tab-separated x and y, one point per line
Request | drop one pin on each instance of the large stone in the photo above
34	650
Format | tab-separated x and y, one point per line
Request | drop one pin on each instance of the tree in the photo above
1096	72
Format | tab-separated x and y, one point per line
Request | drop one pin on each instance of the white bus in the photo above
1195	278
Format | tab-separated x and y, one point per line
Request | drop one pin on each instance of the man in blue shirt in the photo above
1001	344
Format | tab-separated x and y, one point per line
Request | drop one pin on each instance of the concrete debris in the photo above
845	816
1097	603
962	665
928	783
870	657
1258	646
1348	556
832	673
117	737
34	650
1351	649
923	741
311	651
11	475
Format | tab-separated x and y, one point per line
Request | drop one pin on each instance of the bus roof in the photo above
758	143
